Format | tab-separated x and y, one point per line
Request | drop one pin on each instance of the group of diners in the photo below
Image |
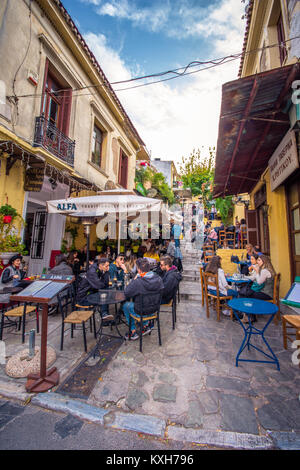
259	278
160	283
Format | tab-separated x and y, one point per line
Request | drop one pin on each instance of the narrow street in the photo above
188	391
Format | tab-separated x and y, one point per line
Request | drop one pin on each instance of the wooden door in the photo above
252	227
293	196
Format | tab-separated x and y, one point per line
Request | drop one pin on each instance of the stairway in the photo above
190	290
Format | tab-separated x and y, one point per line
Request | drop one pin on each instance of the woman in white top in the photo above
214	267
263	278
263	275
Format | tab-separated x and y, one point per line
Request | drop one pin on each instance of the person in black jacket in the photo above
96	278
145	282
171	278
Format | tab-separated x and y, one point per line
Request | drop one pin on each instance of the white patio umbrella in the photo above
115	201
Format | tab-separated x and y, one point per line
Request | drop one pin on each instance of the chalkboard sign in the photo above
293	296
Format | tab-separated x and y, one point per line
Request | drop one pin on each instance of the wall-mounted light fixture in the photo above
238	200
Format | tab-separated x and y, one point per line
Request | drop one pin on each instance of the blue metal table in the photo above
255	307
237	282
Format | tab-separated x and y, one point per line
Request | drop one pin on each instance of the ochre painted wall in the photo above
279	240
11	186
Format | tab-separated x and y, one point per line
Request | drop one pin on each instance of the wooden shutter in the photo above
123	169
252	227
66	111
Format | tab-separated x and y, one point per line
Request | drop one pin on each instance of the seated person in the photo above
152	253
253	262
12	274
61	266
263	275
170	277
117	269
214	267
212	236
145	282
96	278
130	264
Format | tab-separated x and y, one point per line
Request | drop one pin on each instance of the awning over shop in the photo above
254	119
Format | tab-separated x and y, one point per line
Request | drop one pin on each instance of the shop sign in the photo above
66	207
34	178
284	160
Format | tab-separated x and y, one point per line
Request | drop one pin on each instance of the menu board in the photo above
293	295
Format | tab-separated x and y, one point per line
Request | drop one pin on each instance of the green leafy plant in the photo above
224	206
158	182
6	209
12	243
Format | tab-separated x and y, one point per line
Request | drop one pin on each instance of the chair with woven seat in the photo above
20	312
290	322
145	316
80	316
222	234
212	281
275	300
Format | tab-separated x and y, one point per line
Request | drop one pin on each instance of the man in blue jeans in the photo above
145	282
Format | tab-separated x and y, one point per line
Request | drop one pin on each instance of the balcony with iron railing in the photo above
47	135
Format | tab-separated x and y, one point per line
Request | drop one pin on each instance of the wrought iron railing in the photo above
46	135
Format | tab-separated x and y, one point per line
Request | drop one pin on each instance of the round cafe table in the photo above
107	297
236	282
261	308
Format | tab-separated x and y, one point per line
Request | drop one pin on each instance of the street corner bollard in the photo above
31	343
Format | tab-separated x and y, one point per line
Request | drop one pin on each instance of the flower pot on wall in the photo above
7	219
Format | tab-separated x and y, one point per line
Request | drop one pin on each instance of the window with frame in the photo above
97	142
57	100
281	39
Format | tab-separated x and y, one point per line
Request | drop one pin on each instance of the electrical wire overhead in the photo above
177	73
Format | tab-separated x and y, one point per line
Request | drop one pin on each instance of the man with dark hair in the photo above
171	278
145	282
117	269
96	278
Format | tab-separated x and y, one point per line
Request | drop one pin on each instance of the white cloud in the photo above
173	120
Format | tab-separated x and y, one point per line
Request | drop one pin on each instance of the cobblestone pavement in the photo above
191	381
190	388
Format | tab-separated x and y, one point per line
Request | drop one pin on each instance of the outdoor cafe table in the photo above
260	308
236	281
107	297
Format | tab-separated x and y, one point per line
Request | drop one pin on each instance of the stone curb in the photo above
225	439
152	425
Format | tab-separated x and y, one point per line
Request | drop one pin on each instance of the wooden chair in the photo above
144	317
243	239
79	316
172	304
275	299
222	235
230	238
20	312
211	280
202	285
290	322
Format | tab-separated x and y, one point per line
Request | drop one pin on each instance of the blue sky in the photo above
138	37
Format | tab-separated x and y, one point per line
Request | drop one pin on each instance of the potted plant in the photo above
8	213
10	241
